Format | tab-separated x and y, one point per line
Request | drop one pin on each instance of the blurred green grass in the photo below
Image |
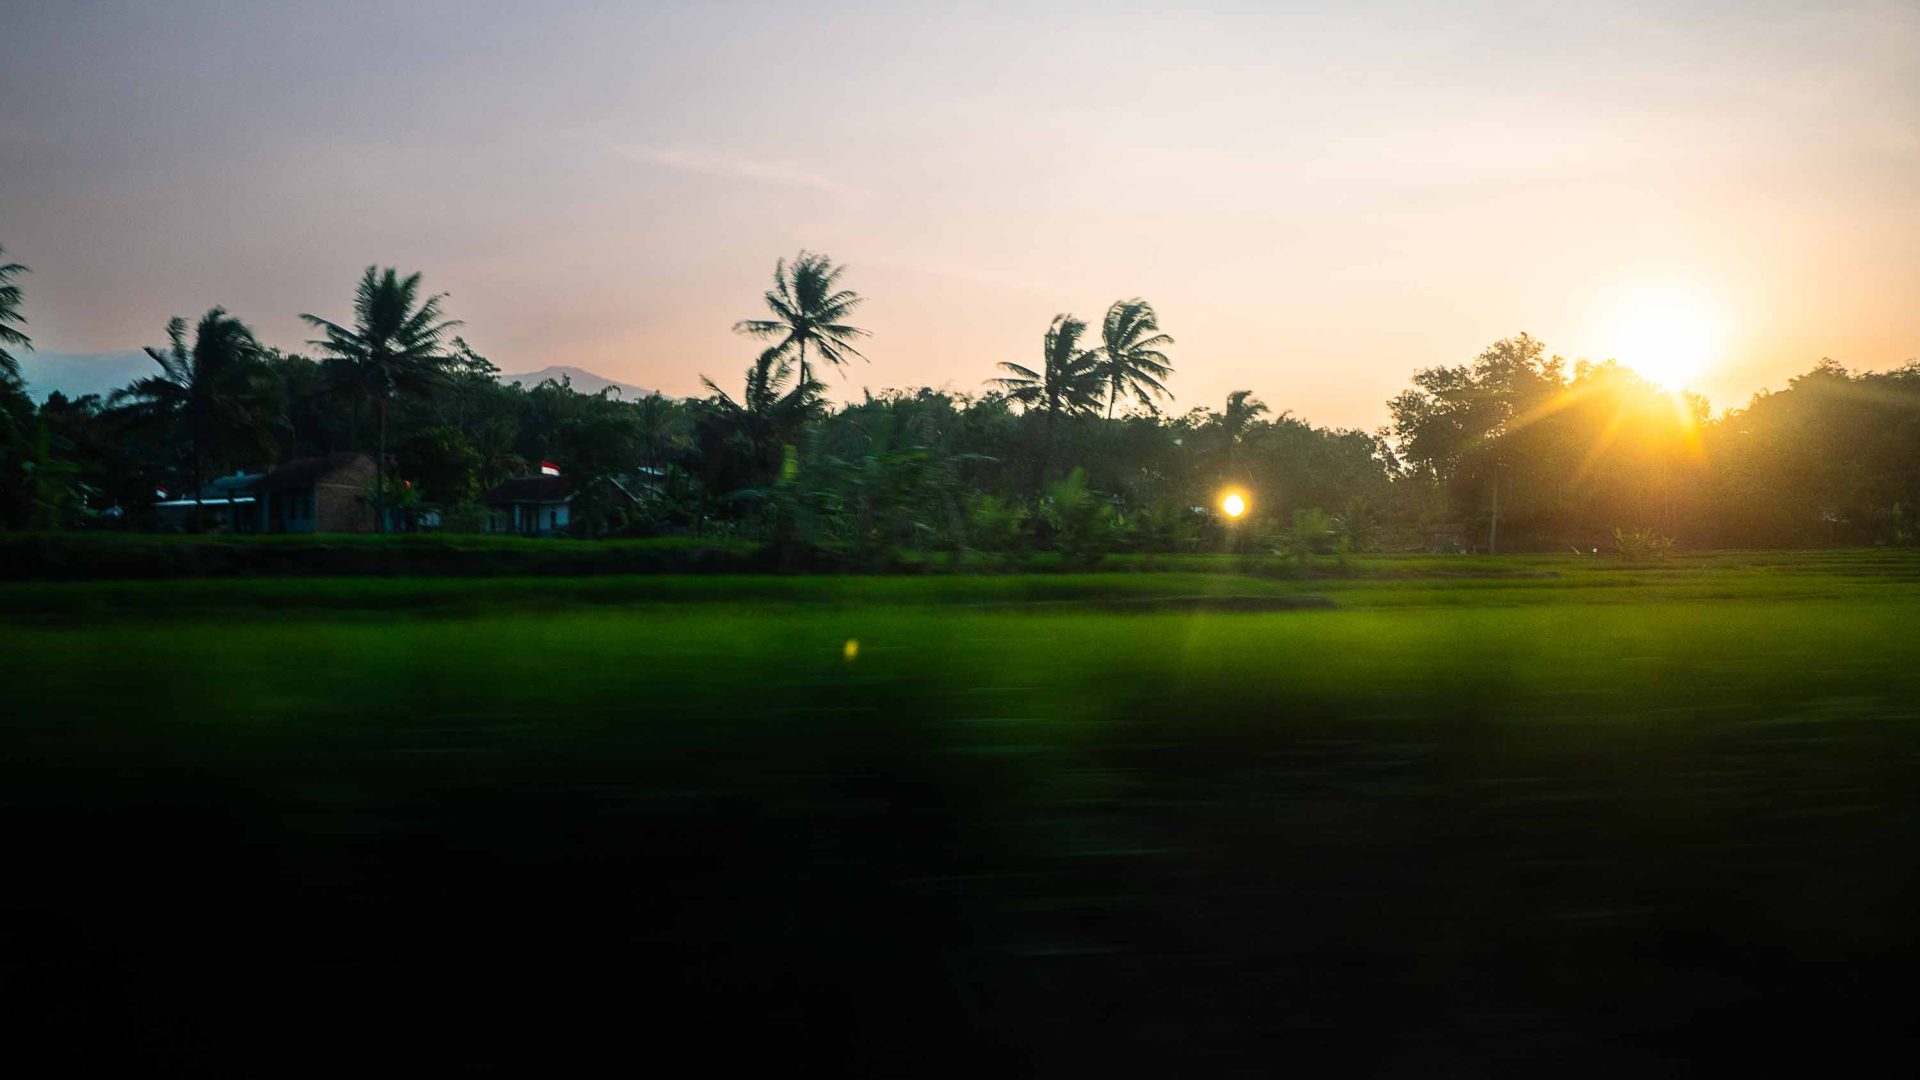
1560	809
1372	581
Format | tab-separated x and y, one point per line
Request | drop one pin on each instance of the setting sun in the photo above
1233	505
1669	334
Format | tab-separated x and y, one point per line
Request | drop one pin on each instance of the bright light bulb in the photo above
1233	505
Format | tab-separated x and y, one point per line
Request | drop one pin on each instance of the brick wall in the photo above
340	499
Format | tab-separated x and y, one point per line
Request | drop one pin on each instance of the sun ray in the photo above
1601	442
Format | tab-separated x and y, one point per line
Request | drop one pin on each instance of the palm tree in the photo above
808	311
10	313
217	388
768	416
658	421
393	347
1130	358
1068	380
1242	410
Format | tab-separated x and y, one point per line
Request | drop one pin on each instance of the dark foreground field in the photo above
1475	817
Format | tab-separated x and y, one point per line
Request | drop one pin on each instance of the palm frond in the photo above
759	327
10	296
1131	360
809	311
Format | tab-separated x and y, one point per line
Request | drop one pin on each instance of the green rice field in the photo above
1472	815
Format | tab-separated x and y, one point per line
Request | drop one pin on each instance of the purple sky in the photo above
1318	198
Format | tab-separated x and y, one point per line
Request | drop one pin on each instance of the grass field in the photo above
1397	815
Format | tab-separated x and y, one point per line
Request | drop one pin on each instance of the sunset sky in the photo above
1318	198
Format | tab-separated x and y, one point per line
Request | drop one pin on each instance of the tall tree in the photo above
809	309
217	390
1471	424
10	317
392	348
767	418
1242	410
1131	360
1068	380
662	424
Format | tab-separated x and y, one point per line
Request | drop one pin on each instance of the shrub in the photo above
995	524
1358	524
1639	545
104	556
1161	527
467	518
1082	520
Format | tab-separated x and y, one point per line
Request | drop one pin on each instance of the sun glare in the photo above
1669	334
1233	505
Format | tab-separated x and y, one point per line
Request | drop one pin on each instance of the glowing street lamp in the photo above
1233	504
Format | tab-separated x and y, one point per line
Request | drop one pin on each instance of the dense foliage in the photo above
1071	450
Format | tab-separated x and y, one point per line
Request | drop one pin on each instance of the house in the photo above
329	493
530	506
607	504
554	505
226	504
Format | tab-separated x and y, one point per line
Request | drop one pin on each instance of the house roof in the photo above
308	471
530	489
233	484
235	487
617	484
206	500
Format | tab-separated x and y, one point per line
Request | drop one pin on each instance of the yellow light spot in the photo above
1668	332
852	649
1234	504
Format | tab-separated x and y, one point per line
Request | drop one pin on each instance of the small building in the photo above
555	505
606	505
1447	538
530	506
226	504
329	493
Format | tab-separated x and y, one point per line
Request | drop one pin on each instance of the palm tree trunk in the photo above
380	471
199	501
803	364
1045	462
650	425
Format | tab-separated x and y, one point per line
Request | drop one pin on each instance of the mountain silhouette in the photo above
582	381
75	374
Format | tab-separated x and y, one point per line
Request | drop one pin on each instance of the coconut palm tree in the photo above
767	418
10	314
217	389
808	310
1068	379
1242	410
1130	358
392	348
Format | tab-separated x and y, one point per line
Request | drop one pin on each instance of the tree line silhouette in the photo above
1075	448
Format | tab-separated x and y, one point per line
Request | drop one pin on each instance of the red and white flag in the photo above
548	468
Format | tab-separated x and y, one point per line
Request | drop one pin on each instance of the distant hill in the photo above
582	380
75	374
